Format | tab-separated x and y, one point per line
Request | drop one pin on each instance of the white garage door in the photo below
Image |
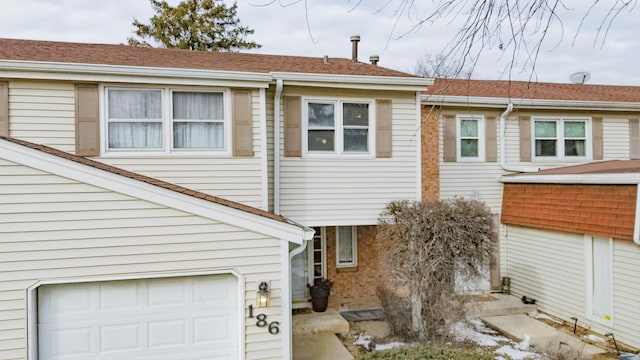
181	318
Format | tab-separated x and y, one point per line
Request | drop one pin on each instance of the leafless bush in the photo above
429	246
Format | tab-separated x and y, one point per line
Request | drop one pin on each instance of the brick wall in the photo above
430	152
603	210
355	288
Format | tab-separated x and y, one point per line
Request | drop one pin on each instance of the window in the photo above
165	120
346	246
470	138
560	138
339	127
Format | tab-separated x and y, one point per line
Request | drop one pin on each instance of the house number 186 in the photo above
272	326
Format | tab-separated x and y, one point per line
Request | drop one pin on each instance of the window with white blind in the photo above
346	246
165	120
561	138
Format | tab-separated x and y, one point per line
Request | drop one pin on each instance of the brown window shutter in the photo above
242	134
292	129
491	141
525	138
596	134
4	108
384	119
87	120
634	138
449	139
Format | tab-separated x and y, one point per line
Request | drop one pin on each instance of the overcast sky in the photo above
285	30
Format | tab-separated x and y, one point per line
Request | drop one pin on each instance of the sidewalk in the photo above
542	336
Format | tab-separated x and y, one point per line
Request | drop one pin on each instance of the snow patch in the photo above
594	338
364	340
514	354
463	331
390	345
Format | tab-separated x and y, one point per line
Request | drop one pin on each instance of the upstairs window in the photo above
470	138
164	120
338	127
560	138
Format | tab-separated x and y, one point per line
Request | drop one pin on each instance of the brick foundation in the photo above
355	288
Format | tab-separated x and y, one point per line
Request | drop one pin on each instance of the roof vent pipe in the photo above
374	59
325	60
355	39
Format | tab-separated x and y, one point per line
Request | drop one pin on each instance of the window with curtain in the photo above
339	127
135	119
165	120
560	138
198	120
346	246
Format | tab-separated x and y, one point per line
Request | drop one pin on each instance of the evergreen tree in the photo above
195	25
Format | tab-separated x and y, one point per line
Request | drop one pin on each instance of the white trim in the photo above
285	296
338	128
167	121
589	280
354	248
446	100
32	300
60	70
110	181
264	150
613	178
481	138
355	81
560	139
277	98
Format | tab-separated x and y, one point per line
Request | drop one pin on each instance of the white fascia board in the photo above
354	81
604	179
528	103
130	74
36	159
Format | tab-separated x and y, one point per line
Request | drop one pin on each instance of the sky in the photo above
324	27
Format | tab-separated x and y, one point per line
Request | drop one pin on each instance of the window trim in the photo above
560	138
588	243
167	123
354	248
339	128
481	138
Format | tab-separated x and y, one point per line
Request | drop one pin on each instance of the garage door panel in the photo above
175	318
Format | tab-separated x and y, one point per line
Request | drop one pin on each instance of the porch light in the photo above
263	295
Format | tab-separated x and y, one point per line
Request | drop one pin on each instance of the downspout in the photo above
503	147
276	146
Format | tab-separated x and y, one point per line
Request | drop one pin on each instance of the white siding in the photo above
330	191
43	113
550	267
616	138
481	180
53	227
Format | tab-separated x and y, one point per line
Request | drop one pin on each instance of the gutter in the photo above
276	146
503	147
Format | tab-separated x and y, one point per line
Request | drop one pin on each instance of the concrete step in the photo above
502	305
319	347
328	322
542	336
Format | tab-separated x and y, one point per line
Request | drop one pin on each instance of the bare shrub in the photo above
429	246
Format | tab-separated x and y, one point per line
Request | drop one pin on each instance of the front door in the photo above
306	266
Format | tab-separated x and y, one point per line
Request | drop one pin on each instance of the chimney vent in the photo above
374	59
355	39
326	59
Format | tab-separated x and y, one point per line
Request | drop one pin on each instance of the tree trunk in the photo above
416	310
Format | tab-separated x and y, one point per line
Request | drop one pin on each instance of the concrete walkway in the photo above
543	336
324	346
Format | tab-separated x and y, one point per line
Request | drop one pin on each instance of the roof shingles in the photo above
125	55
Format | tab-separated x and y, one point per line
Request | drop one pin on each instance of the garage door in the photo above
181	318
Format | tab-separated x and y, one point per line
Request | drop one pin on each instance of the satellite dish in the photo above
580	77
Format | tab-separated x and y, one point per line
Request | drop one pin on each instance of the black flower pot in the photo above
319	304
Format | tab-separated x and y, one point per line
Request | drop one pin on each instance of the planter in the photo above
319	304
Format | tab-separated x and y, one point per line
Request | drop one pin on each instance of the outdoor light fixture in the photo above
263	295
